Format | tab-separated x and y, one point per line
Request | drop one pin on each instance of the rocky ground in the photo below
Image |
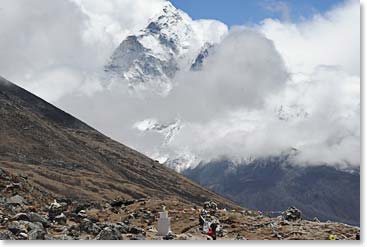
27	212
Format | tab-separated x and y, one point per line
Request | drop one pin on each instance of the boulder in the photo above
30	226
292	214
16	200
109	234
34	217
89	227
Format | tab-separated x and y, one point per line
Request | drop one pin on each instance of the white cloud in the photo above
241	72
320	118
321	101
329	39
42	39
109	22
262	90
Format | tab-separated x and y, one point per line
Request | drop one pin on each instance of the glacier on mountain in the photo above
171	42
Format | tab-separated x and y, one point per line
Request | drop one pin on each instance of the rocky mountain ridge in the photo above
169	43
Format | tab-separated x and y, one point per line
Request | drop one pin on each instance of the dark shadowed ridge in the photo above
68	158
275	183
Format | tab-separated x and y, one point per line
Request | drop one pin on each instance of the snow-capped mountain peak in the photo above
170	42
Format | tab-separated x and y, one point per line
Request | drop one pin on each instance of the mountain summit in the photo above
171	42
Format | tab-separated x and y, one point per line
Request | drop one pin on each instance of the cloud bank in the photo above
54	48
263	90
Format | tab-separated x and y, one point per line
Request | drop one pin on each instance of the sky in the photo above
240	12
286	76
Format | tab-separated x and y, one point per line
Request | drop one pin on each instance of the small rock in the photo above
119	203
36	234
61	219
48	237
239	237
15	227
122	228
81	206
6	235
82	214
60	229
183	237
169	236
65	237
33	226
137	237
56	209
2	199
21	216
136	230
152	229
316	219
23	235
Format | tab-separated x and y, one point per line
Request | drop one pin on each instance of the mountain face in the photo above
68	158
275	183
200	58
170	42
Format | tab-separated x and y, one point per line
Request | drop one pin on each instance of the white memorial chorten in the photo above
164	226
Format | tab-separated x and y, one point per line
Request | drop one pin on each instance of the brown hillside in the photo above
68	158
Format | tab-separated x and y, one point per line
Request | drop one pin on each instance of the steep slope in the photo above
68	158
274	183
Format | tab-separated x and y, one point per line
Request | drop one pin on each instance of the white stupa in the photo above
164	223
